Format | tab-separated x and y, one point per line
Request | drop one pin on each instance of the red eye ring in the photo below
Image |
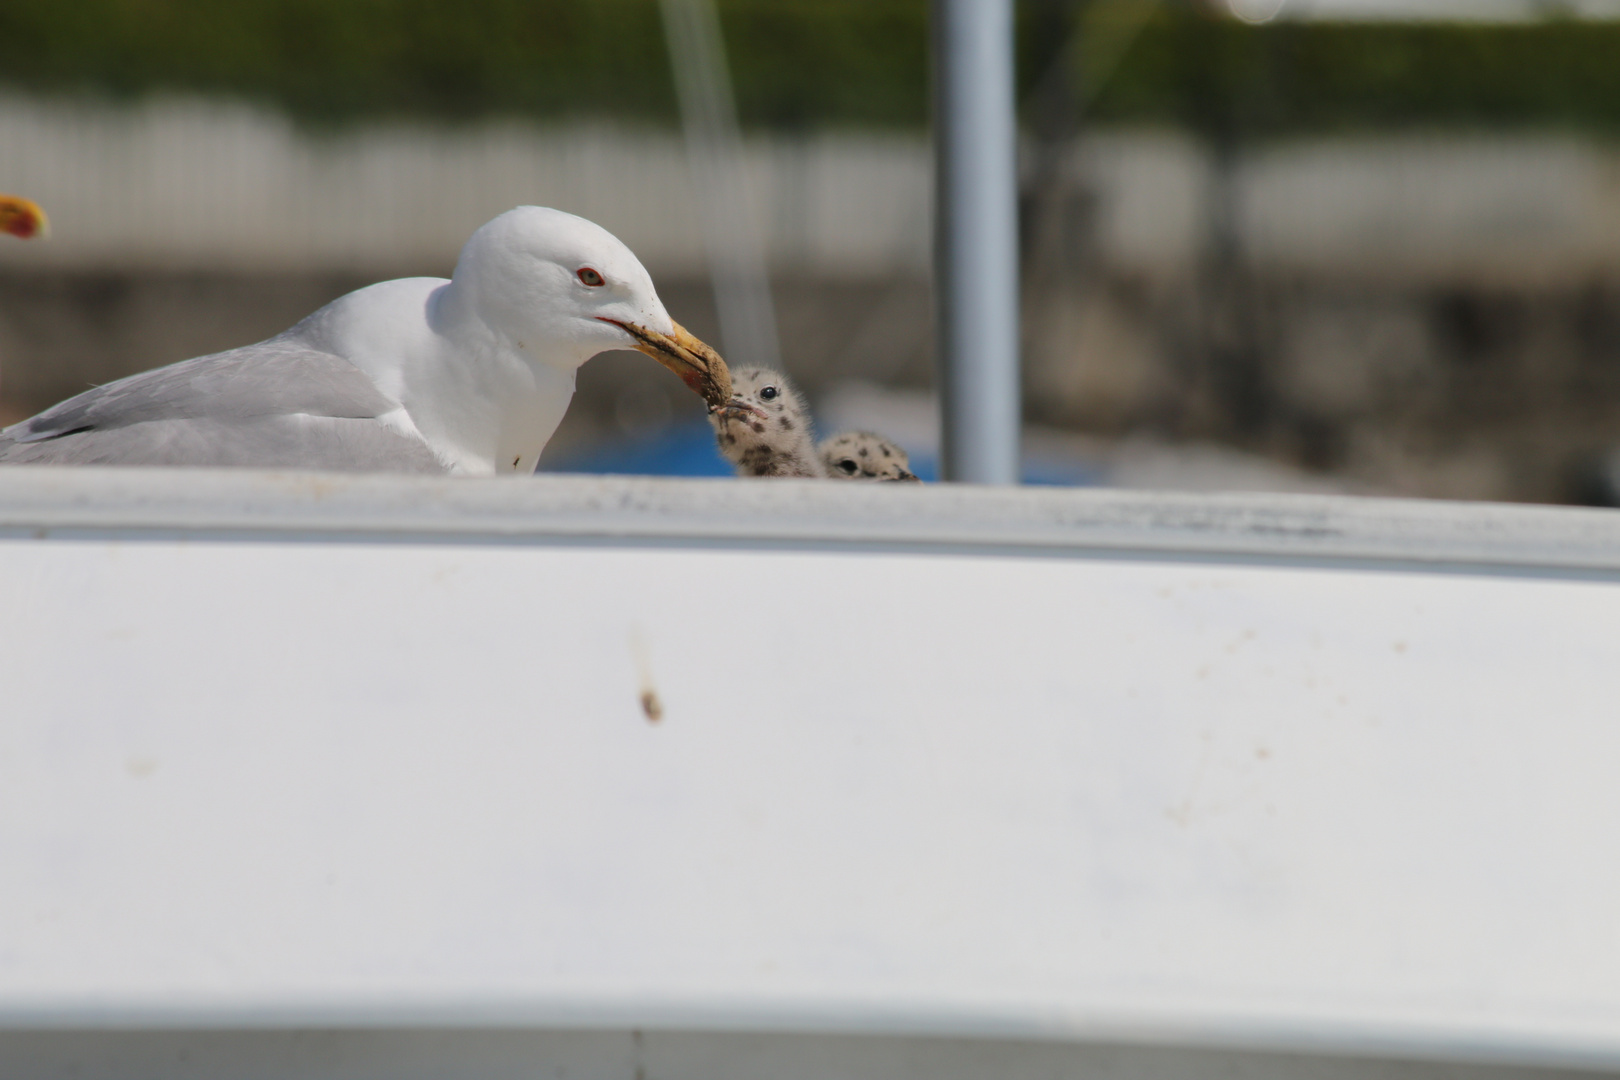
591	277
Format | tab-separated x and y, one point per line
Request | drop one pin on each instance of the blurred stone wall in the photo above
1418	316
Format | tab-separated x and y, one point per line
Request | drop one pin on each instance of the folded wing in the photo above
277	404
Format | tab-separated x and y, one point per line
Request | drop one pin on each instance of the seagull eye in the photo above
591	277
768	394
849	466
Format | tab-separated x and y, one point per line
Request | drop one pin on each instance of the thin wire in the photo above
742	292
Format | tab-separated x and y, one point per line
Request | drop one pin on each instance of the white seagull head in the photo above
555	283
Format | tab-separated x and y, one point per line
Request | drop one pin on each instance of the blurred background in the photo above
1355	245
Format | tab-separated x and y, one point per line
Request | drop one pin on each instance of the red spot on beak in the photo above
21	218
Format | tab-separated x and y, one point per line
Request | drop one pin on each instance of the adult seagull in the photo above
468	376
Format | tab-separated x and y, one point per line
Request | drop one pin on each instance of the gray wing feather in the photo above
277	404
279	442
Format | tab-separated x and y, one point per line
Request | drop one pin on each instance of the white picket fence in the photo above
210	184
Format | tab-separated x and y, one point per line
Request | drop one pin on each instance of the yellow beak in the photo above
693	362
23	218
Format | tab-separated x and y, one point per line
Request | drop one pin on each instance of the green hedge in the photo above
1289	77
796	63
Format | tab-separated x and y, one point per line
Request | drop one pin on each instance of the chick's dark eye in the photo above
768	394
849	466
591	277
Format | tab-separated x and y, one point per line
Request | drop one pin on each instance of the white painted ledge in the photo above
551	508
1266	773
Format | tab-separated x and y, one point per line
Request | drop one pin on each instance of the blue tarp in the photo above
689	450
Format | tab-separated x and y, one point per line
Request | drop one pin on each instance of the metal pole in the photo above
742	291
976	239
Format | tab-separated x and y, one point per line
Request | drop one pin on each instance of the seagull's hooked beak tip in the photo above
23	218
696	364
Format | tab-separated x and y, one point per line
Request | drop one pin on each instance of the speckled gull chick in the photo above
864	455
764	429
469	375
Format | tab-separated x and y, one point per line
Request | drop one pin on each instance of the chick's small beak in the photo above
23	217
697	365
737	409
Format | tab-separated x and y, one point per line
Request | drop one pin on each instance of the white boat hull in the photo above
376	772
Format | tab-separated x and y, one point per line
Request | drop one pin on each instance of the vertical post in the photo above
976	239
